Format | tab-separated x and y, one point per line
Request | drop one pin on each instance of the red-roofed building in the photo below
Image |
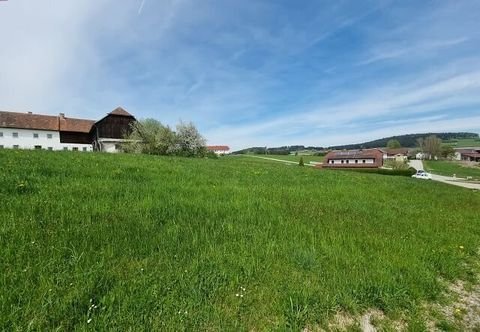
37	131
369	158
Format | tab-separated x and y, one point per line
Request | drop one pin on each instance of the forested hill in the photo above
407	141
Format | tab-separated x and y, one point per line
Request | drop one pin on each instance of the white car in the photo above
422	175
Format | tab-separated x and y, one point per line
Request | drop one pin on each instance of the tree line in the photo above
150	136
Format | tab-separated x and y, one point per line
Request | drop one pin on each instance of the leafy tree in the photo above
301	163
393	144
447	152
149	136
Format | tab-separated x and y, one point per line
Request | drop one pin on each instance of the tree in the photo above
301	163
447	152
189	142
393	144
431	146
151	137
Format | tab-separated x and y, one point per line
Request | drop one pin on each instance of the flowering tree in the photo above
189	141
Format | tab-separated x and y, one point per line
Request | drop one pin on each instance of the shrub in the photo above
301	163
394	172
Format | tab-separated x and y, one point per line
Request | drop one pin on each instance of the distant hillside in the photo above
281	150
407	141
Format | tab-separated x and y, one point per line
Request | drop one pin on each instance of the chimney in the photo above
29	112
62	115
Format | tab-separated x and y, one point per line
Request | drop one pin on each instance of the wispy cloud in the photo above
140	8
248	73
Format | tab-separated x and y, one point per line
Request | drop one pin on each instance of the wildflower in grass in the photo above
89	321
237	295
461	247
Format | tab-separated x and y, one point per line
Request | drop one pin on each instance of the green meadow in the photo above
127	242
290	157
463	142
448	168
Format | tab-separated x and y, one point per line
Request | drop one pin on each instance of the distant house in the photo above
219	149
399	154
466	154
58	132
368	158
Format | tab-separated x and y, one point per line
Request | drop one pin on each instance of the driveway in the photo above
418	165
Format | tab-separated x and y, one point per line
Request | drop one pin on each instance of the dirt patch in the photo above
462	312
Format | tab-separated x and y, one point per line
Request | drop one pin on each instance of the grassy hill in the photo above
119	242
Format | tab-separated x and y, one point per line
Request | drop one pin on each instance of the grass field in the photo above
123	242
306	159
448	168
461	143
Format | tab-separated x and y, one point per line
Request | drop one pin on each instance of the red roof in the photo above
44	122
375	154
218	148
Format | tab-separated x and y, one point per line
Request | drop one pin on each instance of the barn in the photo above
368	158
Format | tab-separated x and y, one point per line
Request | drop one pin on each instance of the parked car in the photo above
422	175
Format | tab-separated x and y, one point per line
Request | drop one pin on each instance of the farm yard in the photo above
126	242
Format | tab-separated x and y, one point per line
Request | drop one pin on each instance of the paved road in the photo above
418	165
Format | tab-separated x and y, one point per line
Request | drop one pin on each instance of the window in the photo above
84	149
356	161
15	135
342	161
1	133
331	161
75	149
38	147
363	161
50	148
348	161
49	136
65	149
16	147
35	135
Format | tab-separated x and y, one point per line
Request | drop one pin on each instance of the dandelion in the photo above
241	295
89	321
457	310
461	247
237	295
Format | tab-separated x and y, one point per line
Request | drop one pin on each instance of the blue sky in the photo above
249	73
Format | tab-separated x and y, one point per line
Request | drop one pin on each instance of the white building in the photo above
47	132
219	149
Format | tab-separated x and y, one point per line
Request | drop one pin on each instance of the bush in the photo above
301	163
394	172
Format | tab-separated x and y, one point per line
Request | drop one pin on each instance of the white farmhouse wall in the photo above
27	140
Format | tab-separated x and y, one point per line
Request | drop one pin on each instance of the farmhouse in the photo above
219	149
35	131
466	154
399	154
369	158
